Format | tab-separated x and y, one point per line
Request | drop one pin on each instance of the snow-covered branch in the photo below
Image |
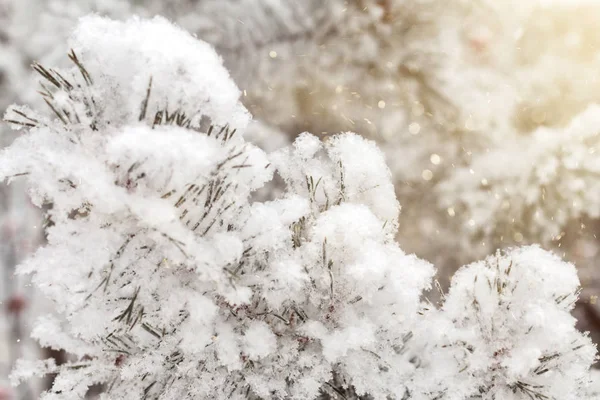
172	282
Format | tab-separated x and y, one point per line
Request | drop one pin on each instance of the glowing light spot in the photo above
435	159
518	236
427	175
471	222
414	128
381	104
273	54
451	212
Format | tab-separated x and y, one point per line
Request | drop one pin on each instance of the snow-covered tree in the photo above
173	281
443	82
505	332
268	297
457	93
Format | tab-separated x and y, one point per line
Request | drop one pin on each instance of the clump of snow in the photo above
186	73
505	329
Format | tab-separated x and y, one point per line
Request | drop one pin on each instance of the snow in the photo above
186	73
171	280
259	341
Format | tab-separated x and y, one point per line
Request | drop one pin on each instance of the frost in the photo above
507	331
369	180
185	72
175	281
259	341
167	275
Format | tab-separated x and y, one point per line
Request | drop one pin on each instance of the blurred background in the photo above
488	112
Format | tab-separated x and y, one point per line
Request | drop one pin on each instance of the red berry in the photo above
16	304
119	360
5	393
